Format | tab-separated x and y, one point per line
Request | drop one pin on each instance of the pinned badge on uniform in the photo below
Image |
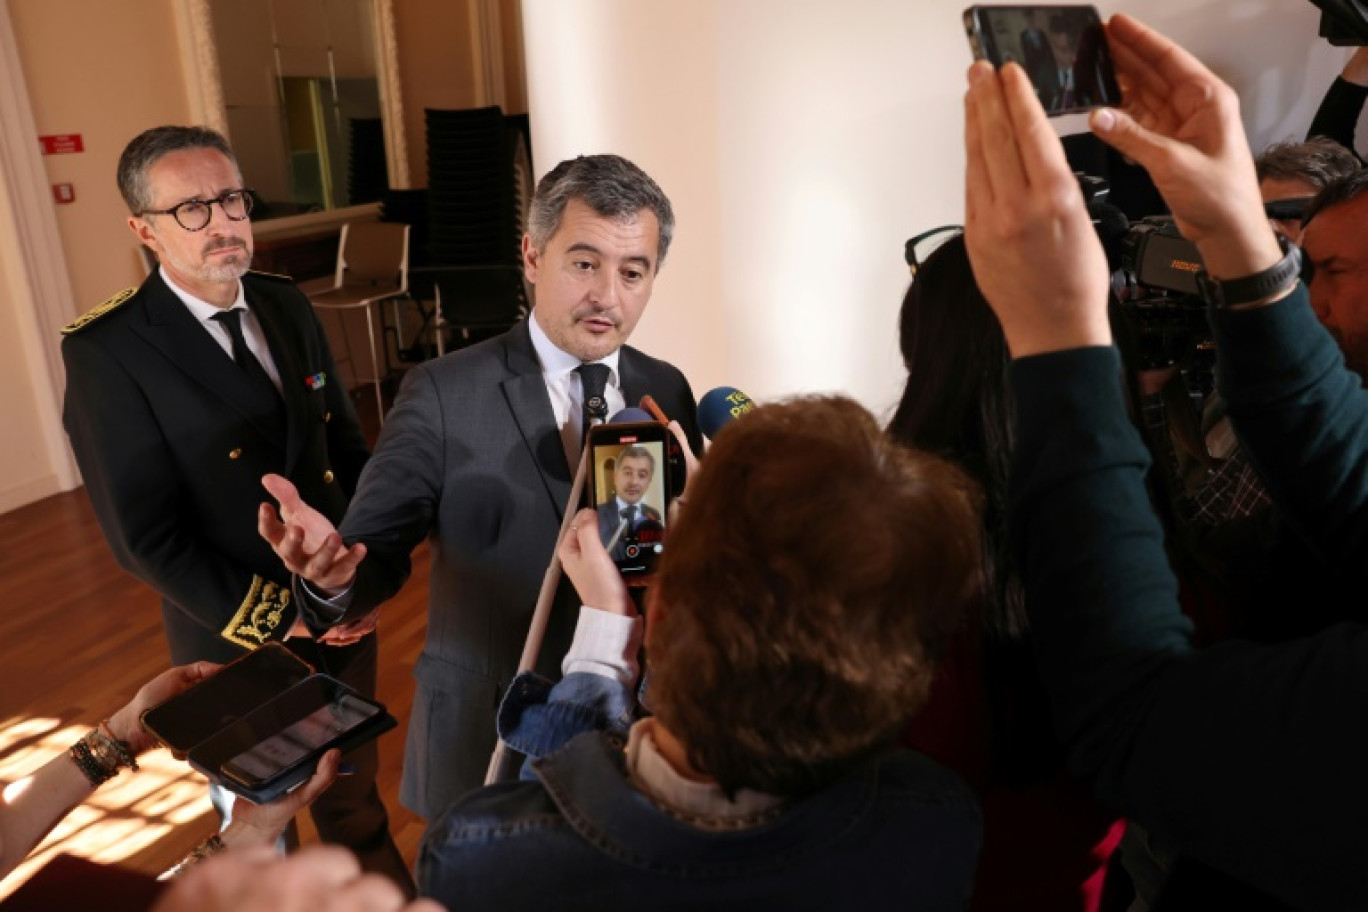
317	381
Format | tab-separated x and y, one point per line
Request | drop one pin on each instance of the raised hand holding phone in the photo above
1035	253
1182	124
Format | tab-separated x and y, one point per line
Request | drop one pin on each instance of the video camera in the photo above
1154	281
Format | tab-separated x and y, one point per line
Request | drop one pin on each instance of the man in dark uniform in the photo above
180	395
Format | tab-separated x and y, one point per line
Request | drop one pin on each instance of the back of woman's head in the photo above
955	401
812	582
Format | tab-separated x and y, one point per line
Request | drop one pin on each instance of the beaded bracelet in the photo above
95	771
120	748
99	755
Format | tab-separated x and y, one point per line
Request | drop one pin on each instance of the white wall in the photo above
642	80
802	141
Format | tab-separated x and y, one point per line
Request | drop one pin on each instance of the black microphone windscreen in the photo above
631	415
720	407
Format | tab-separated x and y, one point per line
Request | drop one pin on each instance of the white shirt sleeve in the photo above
605	644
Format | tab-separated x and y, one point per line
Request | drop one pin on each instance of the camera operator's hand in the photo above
596	578
1035	253
1182	124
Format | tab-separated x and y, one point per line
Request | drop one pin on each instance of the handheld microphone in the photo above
720	407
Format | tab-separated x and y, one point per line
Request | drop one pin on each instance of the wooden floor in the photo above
78	637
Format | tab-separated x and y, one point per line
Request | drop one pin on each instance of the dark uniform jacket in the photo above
173	445
471	456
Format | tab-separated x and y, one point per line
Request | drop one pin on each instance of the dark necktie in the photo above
629	513
256	374
594	407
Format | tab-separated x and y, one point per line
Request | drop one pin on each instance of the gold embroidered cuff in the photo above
259	615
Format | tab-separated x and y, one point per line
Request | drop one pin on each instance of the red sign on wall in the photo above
61	143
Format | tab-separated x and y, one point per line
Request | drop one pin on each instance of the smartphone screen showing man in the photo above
1063	50
631	502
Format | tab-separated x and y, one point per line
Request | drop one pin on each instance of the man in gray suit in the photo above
479	453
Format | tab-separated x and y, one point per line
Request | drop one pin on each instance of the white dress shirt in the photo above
566	389
251	329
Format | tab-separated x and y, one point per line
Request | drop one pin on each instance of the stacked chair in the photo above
479	185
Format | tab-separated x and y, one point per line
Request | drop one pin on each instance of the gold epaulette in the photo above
90	316
271	275
259	615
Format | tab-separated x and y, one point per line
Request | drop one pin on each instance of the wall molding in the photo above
391	95
204	82
486	50
40	280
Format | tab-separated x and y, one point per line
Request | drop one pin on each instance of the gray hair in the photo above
610	185
1319	161
149	146
636	451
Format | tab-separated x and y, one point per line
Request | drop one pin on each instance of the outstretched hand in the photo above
1182	124
595	577
305	540
1035	253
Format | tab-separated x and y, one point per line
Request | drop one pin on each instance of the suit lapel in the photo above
525	391
634	384
285	351
174	331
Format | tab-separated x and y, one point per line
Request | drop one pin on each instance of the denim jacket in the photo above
897	831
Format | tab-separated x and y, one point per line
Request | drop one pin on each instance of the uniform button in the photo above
328	477
235	453
327	416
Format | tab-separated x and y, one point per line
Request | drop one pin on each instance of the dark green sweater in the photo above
1251	758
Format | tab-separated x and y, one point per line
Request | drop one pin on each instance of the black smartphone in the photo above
1063	50
330	713
629	487
191	717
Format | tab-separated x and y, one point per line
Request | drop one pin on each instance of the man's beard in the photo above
223	271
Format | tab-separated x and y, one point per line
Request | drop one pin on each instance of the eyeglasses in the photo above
1288	210
195	214
923	245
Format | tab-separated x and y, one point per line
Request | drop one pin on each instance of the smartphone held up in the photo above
1063	50
630	489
